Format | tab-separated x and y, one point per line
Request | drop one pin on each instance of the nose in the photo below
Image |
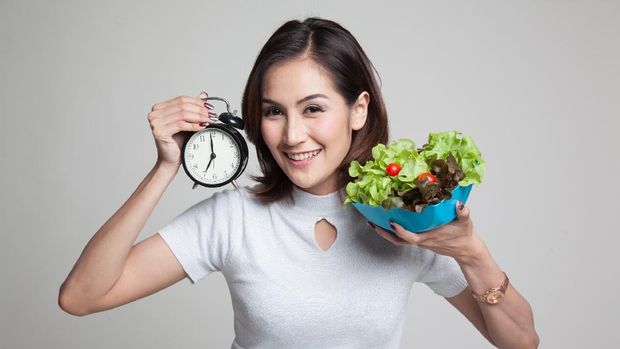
294	130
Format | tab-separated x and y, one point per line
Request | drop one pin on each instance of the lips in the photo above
302	155
304	162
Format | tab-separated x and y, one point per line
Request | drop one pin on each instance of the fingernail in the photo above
203	124
211	113
392	225
461	206
370	224
208	105
204	93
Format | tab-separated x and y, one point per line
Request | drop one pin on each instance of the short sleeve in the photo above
442	274
200	236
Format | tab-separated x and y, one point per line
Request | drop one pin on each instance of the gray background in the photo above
535	83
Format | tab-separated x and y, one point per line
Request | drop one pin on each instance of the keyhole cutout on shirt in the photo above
324	234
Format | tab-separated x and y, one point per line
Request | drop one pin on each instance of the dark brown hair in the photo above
336	50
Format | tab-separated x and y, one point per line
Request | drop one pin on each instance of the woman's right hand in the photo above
173	121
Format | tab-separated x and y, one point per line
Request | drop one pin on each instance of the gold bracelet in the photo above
493	295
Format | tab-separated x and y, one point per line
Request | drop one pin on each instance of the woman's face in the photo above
303	114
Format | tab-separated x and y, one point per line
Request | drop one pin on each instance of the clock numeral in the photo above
202	138
195	146
191	156
195	166
214	176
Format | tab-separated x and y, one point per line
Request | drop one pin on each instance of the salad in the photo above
403	176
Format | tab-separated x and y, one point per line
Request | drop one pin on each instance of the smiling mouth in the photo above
303	156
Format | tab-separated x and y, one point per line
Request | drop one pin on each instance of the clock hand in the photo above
209	164
212	153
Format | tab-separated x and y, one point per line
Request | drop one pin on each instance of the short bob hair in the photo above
337	51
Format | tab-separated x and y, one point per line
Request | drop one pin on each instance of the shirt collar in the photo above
305	202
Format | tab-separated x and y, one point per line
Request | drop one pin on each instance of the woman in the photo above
303	270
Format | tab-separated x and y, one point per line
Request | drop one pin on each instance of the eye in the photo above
268	111
314	109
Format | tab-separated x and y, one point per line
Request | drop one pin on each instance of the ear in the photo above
359	111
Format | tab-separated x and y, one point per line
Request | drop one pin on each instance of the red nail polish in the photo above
370	224
206	105
392	225
203	124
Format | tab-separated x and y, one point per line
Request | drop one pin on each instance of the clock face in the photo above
212	156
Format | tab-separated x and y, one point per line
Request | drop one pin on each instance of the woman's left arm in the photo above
508	324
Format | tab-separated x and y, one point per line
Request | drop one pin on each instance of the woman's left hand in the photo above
456	239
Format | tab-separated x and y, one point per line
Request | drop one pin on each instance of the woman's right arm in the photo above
112	271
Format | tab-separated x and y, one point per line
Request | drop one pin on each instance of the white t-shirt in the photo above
289	293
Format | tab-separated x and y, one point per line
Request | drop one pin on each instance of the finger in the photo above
178	108
183	125
193	118
462	212
199	119
178	100
203	96
408	236
196	116
387	235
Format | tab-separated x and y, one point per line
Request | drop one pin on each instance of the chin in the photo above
315	186
302	178
303	184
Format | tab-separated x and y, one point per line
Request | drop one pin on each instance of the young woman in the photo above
303	270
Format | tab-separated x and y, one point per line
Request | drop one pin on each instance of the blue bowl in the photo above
433	216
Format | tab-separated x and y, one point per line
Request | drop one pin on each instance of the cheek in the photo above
331	133
269	133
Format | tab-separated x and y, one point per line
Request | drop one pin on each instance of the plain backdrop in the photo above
535	83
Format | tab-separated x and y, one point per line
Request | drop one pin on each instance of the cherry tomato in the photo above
392	169
431	177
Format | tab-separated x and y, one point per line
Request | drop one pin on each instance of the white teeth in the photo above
303	156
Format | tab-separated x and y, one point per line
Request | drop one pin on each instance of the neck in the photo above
307	202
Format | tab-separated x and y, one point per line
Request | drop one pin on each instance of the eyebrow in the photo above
307	98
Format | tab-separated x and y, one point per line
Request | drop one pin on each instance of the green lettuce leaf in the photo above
452	159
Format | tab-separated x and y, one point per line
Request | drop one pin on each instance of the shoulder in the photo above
431	264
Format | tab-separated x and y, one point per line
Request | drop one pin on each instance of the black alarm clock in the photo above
218	154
